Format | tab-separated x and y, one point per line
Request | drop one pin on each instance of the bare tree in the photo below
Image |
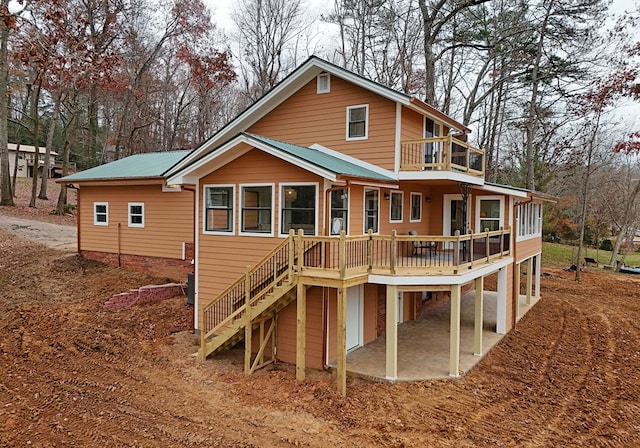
7	21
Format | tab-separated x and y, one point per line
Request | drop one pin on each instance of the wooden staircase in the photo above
264	290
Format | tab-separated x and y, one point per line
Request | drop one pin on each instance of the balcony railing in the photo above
345	256
441	154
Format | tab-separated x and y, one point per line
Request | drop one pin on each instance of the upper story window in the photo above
339	211
357	122
395	212
256	209
298	208
323	83
371	210
101	213
136	214
529	220
489	215
218	207
416	207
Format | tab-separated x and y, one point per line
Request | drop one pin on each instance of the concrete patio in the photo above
423	344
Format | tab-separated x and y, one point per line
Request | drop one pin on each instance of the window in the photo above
371	210
397	197
323	83
529	220
136	214
101	213
416	207
218	208
339	211
357	122
298	204
256	209
489	214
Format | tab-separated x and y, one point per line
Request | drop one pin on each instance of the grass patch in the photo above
562	255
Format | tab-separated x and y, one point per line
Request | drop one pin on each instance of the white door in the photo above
354	316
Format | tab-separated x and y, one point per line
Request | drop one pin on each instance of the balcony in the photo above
446	154
347	257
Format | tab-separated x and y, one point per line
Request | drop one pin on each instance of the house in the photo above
334	208
128	216
22	157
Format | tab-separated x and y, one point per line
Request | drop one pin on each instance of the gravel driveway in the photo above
58	236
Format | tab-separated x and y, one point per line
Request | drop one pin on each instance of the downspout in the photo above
73	187
515	301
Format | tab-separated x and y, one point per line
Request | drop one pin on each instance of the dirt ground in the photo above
72	374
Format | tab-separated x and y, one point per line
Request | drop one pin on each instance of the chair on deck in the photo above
419	246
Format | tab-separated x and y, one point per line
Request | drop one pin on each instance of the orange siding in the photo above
224	258
287	331
412	125
168	221
528	248
370	313
307	117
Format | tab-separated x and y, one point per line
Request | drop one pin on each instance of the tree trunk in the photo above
36	157
62	197
5	176
47	156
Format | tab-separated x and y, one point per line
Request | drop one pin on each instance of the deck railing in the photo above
441	154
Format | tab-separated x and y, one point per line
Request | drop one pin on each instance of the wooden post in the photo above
538	265
342	254
516	289
529	279
393	252
501	242
247	322
479	311
501	305
300	244
292	252
203	332
341	351
456	251
370	249
488	249
454	335
301	310
391	368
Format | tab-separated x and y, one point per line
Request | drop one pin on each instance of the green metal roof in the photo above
153	164
323	160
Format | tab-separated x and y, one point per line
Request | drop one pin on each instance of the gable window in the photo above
489	213
397	197
371	210
256	209
323	83
218	208
416	207
339	211
136	214
298	205
357	117
101	213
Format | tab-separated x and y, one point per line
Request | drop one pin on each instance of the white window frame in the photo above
364	211
391	193
232	231
281	188
528	221
366	122
130	215
241	188
411	196
320	88
95	214
479	199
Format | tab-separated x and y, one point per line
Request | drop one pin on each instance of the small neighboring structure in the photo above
24	156
128	216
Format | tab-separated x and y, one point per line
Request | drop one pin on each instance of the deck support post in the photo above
341	374
454	335
501	302
538	272
391	363
479	311
516	289
301	310
248	327
529	279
